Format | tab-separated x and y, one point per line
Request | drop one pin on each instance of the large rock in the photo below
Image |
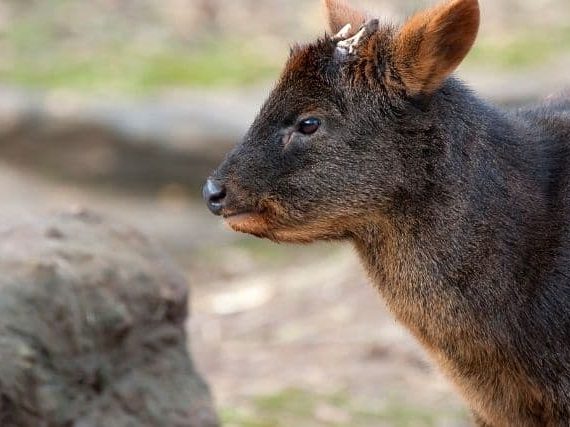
92	329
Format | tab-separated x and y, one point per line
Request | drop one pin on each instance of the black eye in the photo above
309	126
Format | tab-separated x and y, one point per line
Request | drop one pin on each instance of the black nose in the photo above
214	194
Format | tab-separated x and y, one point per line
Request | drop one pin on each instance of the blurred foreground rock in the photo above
92	329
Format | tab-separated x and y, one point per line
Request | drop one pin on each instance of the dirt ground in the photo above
286	335
311	328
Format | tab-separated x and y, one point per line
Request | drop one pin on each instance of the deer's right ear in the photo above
339	14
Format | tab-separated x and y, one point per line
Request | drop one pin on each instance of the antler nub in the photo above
348	46
343	33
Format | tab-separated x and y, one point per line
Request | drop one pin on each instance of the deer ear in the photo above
431	45
339	14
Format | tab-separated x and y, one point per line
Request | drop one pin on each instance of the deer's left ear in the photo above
339	14
431	45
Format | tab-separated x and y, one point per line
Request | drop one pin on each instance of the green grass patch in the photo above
133	70
295	407
41	49
521	50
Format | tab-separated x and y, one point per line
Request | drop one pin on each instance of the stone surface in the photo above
92	334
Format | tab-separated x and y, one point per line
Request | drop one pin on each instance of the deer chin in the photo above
259	225
249	222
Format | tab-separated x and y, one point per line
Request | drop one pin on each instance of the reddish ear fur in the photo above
339	13
433	43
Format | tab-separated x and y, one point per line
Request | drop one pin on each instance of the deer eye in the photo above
309	126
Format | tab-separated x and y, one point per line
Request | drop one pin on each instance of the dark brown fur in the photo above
460	211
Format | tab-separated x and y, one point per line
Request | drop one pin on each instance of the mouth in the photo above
265	225
239	217
250	222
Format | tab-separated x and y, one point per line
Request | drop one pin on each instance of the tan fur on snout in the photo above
272	222
250	223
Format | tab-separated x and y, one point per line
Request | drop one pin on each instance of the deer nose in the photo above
214	194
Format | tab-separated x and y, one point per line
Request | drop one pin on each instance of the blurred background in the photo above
124	106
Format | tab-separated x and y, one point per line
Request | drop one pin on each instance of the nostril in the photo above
214	193
218	196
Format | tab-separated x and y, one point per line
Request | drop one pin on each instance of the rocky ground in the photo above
317	333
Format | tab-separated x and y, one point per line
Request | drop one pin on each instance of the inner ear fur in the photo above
339	13
432	44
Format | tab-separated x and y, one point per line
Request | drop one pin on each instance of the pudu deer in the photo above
459	210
